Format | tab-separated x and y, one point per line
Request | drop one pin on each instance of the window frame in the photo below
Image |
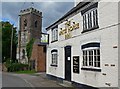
54	34
90	60
91	21
54	58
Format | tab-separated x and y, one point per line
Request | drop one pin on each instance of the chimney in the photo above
77	1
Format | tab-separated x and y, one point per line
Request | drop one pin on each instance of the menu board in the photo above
75	64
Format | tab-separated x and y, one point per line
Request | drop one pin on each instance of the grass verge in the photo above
26	72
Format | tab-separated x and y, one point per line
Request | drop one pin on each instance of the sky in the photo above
51	11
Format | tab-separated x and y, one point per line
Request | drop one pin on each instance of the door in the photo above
68	63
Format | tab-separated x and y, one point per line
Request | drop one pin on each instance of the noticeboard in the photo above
75	64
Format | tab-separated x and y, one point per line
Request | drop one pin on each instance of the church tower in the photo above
30	25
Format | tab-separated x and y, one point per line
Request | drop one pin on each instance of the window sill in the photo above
54	41
53	65
87	30
91	69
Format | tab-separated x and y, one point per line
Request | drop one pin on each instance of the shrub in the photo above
8	62
17	67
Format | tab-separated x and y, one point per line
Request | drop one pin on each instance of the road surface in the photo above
27	81
10	80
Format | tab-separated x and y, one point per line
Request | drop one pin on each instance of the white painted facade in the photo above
119	44
106	35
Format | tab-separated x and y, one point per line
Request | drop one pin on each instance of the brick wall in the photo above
39	56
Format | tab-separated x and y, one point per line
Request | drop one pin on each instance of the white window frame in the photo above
91	21
55	34
88	65
54	58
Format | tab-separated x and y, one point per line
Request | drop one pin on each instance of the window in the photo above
85	58
97	58
23	53
90	18
54	34
91	55
54	57
91	58
35	23
25	23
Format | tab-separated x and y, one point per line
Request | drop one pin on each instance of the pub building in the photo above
83	46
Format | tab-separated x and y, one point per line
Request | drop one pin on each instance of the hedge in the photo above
18	67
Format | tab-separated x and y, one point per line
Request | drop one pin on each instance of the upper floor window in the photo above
25	23
35	23
90	18
55	34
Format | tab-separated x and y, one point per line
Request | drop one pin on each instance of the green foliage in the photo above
8	62
12	66
6	40
26	72
17	67
29	47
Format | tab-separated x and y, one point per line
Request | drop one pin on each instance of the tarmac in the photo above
40	80
49	82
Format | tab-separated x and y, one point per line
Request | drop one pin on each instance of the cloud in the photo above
38	1
51	11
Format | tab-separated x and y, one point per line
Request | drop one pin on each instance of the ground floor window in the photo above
54	57
91	55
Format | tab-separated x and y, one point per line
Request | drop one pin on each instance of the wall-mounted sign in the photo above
69	27
75	64
44	38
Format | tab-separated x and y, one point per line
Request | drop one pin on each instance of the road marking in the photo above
28	83
33	87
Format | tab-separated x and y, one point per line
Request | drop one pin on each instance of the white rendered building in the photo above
83	46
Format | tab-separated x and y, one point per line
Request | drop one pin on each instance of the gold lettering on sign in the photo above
68	23
67	36
68	29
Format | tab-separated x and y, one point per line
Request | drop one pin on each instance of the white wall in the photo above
107	35
119	44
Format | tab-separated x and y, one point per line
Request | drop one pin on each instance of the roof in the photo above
80	5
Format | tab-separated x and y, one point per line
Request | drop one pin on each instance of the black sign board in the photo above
75	64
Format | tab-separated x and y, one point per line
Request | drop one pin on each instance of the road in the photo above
10	80
27	81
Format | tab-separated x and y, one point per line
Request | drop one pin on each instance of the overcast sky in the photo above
51	11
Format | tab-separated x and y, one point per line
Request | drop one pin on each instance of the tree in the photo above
6	41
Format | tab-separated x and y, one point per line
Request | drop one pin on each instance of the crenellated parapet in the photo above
30	10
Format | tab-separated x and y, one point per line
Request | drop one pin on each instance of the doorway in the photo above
68	63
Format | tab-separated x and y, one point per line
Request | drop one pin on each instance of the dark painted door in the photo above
68	63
